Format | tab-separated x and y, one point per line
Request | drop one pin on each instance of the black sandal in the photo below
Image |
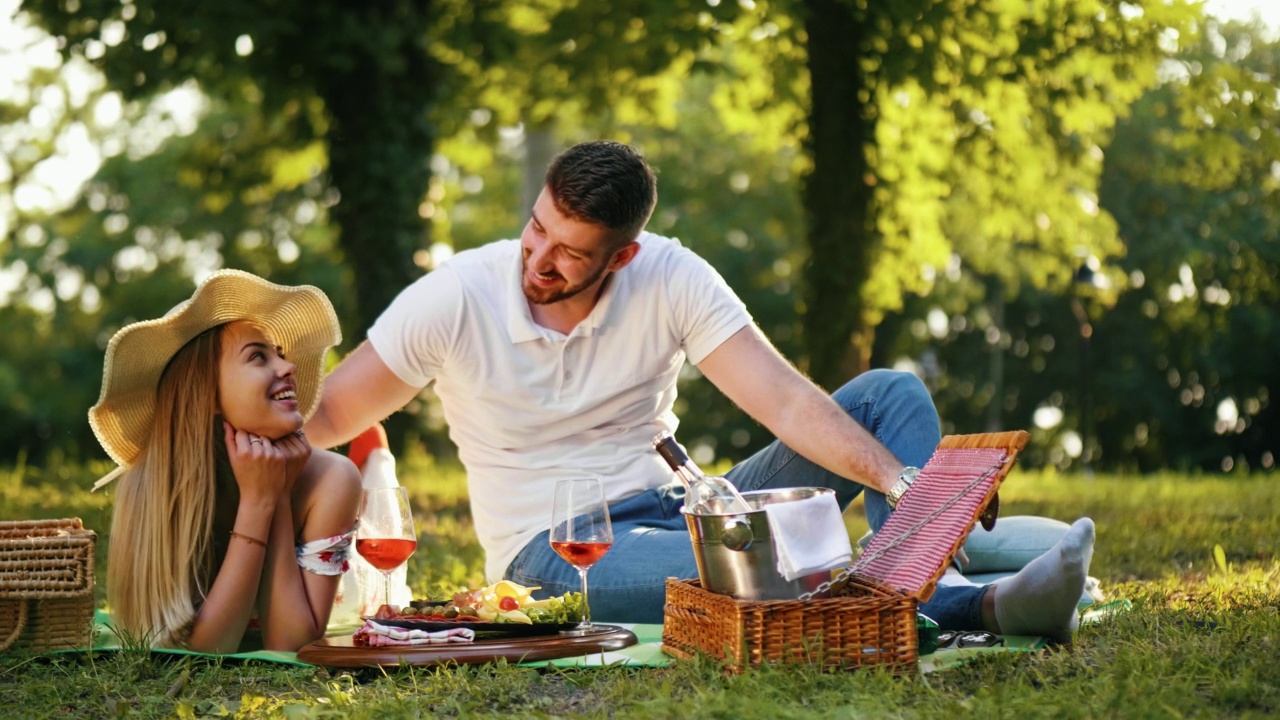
979	639
959	639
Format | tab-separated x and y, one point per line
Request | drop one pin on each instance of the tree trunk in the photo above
837	193
539	149
380	146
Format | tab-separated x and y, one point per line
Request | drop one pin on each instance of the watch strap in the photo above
905	478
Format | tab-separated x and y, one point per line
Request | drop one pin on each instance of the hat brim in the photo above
301	319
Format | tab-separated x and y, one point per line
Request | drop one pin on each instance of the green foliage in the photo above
1193	184
557	60
1179	370
256	136
735	205
132	246
301	73
322	124
972	127
564	609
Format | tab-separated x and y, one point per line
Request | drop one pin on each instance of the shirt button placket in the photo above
563	374
566	361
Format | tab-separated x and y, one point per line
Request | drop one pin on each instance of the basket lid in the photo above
933	519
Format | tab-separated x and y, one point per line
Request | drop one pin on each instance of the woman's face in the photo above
256	390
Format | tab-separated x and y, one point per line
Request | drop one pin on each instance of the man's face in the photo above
562	256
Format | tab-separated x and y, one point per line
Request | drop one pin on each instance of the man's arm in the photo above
755	376
361	391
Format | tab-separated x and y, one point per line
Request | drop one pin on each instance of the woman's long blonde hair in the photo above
161	558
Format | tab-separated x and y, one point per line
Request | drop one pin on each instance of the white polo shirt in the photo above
527	405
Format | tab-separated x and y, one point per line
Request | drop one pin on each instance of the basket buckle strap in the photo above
18	625
827	585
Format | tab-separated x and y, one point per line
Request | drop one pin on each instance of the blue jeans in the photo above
651	539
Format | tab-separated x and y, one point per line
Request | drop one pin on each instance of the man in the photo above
557	356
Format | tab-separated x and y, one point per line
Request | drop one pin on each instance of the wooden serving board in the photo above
341	652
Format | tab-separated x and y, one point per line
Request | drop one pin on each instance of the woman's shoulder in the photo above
329	485
330	461
330	468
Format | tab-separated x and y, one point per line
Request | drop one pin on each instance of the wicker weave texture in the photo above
865	622
46	584
868	624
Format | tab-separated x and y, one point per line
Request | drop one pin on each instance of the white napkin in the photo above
808	536
374	634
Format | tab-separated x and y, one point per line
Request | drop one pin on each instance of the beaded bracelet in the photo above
246	538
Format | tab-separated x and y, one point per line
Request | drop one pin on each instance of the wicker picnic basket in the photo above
46	584
869	618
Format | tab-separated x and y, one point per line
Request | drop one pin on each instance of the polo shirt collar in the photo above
520	324
600	312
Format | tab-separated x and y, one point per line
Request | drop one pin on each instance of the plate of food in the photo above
419	623
504	607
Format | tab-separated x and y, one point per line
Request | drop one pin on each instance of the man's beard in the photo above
546	296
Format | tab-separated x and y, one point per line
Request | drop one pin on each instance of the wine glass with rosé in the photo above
385	535
581	532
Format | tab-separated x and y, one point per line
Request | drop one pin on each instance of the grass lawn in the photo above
1203	639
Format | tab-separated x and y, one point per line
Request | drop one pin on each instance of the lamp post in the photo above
1085	279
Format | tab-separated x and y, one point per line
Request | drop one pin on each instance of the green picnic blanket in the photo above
647	652
106	640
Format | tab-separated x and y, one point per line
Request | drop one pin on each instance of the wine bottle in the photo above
708	494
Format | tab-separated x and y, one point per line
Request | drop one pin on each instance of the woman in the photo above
223	511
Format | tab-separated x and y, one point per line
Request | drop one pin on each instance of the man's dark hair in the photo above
606	183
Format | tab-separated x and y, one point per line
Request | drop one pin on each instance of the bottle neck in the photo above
707	495
676	457
690	475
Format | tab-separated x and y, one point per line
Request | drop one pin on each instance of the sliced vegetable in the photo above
515	616
502	602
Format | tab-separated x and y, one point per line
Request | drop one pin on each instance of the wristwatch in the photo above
899	488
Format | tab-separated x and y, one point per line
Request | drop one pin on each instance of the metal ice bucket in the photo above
735	552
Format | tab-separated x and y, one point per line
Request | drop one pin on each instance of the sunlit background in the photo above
176	184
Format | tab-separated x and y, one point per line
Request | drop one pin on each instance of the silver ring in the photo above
255	440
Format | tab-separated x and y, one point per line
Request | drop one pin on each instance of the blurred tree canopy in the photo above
1194	182
924	184
1178	367
972	126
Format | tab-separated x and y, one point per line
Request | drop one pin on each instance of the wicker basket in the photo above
869	620
46	585
869	624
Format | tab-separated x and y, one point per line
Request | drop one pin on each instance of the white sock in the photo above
1041	599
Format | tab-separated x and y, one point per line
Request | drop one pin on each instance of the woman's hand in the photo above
259	466
296	451
259	470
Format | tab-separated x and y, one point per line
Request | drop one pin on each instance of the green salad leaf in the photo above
558	610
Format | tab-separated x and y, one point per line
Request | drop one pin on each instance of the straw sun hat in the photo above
300	319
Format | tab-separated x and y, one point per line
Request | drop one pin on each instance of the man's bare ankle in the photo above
989	621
